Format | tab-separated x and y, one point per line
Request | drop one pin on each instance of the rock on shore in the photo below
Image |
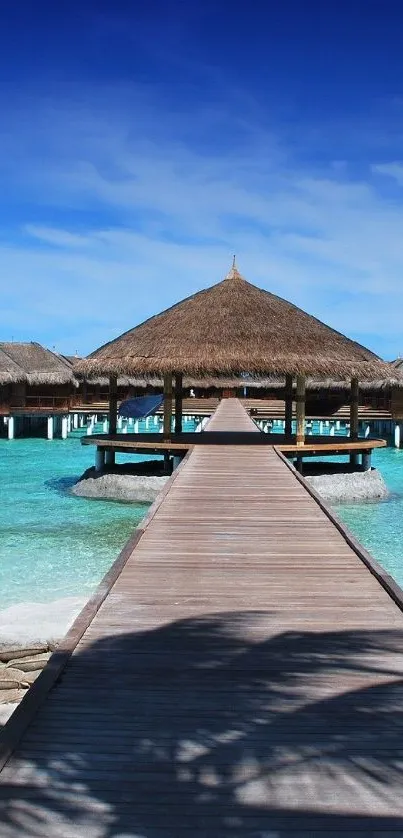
124	487
348	487
135	483
29	632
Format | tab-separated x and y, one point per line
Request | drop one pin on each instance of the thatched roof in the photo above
10	372
71	359
394	380
228	329
32	363
205	383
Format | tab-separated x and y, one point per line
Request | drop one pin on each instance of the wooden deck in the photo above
264	409
149	443
242	677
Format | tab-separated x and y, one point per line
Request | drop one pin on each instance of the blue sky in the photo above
142	144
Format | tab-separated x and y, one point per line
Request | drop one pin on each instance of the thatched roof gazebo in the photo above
227	330
230	328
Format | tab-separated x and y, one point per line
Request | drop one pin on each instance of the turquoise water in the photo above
52	544
379	524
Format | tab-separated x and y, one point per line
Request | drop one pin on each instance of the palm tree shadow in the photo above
216	726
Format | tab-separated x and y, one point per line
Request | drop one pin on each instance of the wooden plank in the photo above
186	441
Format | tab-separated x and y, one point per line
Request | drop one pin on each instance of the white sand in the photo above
6	710
38	622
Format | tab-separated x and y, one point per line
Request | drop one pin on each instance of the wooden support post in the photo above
167	463
11	427
167	404
113	403
300	399
178	403
366	460
113	409
354	398
100	459
288	407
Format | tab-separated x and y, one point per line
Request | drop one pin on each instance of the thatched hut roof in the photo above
228	329
394	380
32	363
205	383
10	372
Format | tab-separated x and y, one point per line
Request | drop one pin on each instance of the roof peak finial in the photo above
233	273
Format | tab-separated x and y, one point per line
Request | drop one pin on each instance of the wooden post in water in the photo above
113	409
178	402
288	407
167	417
300	399
167	404
113	403
354	399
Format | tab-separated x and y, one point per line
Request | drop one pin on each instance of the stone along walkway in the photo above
241	678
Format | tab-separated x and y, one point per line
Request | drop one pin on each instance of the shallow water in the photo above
379	524
54	545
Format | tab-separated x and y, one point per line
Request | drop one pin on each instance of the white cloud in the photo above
59	238
125	225
392	170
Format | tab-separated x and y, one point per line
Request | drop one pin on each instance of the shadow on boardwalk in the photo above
207	727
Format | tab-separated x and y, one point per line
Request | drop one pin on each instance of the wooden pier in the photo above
238	673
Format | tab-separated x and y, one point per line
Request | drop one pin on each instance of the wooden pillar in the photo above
300	399
100	459
167	404
288	406
113	403
354	398
113	409
366	460
178	403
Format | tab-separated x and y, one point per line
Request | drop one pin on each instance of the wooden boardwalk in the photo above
242	678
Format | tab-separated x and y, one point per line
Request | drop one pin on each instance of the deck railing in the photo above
41	402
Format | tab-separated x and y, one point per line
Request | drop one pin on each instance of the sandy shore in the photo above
29	632
28	623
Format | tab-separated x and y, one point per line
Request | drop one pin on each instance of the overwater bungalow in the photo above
36	387
234	329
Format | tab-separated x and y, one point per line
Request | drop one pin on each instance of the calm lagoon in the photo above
54	545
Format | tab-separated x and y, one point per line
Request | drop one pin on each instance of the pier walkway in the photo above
242	676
